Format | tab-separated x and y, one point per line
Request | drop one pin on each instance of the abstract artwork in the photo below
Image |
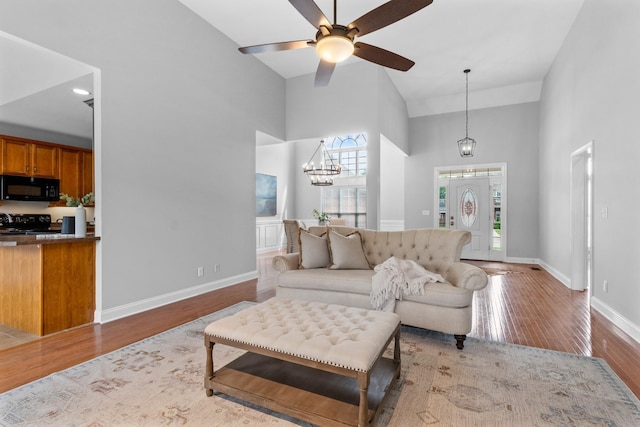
266	194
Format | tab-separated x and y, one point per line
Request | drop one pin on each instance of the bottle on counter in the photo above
81	221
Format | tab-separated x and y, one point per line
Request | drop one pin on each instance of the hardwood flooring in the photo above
522	304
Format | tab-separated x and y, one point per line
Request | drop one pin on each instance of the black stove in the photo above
17	224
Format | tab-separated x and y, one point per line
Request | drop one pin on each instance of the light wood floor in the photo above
522	305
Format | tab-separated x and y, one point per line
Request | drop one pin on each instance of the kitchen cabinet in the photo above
29	158
46	288
87	171
75	171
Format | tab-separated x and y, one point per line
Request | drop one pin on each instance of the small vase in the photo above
321	222
81	222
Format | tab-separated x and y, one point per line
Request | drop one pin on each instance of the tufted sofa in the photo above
445	307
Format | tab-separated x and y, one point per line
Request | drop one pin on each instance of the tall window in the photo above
347	198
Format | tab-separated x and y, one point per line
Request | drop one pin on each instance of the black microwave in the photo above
29	188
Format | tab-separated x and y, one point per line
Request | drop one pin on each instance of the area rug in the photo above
159	381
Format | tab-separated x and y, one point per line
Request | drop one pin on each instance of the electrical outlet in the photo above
216	268
605	286
200	271
426	213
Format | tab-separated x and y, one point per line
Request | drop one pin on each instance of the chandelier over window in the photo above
467	145
321	173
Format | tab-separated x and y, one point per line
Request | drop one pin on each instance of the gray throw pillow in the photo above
347	252
313	252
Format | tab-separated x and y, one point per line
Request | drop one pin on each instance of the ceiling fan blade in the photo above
387	14
324	72
274	47
312	13
382	57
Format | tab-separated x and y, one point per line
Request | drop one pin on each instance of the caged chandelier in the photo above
467	145
321	175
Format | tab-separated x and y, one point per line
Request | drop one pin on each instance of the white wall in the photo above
506	134
591	93
179	108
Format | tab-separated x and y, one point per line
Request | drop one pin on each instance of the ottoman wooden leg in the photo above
363	383
208	366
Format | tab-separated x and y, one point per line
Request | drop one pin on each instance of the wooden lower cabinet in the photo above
47	288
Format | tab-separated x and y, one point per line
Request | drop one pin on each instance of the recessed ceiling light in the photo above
79	91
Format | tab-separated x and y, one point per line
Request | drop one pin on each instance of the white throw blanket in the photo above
395	278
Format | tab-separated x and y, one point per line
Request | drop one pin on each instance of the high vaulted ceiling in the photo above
506	44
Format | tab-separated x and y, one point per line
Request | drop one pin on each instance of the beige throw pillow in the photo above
313	252
347	252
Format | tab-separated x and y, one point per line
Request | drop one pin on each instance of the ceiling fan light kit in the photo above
334	47
335	43
467	145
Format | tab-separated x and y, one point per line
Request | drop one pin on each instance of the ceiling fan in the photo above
335	43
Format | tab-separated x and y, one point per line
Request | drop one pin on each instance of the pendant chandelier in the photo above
323	174
467	145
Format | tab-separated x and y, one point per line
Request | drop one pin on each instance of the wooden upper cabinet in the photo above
87	173
15	157
44	160
70	172
29	158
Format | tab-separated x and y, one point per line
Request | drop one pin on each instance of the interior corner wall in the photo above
507	134
591	94
393	115
179	114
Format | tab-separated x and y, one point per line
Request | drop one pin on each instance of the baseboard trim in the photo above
125	310
516	260
555	273
614	317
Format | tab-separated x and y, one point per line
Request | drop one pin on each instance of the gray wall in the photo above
503	134
591	93
180	107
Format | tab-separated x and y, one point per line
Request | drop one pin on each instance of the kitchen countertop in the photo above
44	239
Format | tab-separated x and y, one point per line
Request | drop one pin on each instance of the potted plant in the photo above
86	200
322	217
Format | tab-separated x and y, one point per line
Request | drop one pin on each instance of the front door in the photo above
470	212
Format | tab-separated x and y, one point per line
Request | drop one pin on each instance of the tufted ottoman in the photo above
317	362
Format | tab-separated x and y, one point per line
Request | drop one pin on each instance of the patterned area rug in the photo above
159	381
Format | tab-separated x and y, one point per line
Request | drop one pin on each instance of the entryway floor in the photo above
11	337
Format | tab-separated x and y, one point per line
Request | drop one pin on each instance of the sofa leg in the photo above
460	341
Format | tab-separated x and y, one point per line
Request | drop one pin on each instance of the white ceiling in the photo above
508	44
505	43
36	89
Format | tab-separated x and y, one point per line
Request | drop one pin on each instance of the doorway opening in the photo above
581	195
473	198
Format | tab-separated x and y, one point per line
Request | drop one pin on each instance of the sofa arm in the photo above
463	275
285	262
